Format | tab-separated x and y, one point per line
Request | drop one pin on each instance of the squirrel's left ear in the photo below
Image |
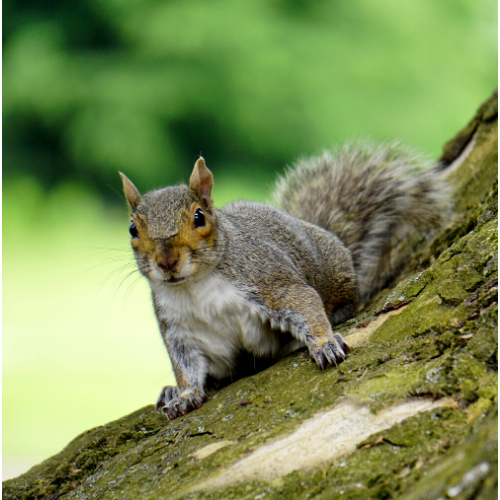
202	181
131	192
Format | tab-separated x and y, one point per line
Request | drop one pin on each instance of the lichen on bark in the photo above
431	337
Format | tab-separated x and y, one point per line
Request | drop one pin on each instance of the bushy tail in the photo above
372	197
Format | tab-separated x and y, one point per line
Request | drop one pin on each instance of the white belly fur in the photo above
214	317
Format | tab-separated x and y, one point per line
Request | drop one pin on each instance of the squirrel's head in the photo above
173	229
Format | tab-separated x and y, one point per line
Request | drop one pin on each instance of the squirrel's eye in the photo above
133	230
199	218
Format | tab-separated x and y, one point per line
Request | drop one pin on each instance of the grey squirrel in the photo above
255	278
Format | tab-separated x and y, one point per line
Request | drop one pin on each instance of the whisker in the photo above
121	282
108	248
105	263
133	285
115	273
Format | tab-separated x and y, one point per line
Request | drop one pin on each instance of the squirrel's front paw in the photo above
167	394
331	352
173	405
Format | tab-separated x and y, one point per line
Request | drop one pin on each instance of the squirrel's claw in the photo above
178	405
167	394
331	352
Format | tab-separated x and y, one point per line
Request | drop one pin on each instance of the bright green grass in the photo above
80	342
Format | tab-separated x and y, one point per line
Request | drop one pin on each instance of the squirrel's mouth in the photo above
174	280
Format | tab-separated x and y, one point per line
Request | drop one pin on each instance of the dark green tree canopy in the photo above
93	87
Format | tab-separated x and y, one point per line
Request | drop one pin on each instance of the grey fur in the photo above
283	249
372	197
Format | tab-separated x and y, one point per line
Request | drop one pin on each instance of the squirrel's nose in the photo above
167	262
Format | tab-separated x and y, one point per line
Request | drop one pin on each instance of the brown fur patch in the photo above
144	244
301	299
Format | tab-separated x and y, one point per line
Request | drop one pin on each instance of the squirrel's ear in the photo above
202	181
131	192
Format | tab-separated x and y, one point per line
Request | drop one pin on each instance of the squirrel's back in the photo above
372	197
267	246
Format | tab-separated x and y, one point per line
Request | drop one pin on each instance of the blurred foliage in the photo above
95	86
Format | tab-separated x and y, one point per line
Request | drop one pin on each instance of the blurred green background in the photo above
91	87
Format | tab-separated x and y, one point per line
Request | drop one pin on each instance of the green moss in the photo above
456	289
466	471
392	384
406	290
473	180
483	345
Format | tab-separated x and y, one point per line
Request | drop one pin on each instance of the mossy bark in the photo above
432	336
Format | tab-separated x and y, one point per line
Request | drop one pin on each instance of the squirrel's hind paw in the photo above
331	352
172	405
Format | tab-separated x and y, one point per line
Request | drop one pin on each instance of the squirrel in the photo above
263	280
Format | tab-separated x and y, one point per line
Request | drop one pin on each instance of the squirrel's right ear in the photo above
131	192
202	181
